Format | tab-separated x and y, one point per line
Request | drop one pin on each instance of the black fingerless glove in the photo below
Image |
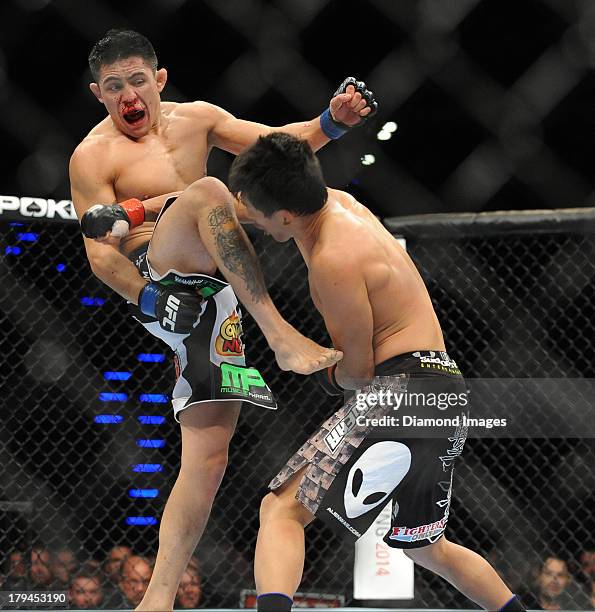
176	310
103	218
335	129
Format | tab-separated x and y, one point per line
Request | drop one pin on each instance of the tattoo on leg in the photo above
236	252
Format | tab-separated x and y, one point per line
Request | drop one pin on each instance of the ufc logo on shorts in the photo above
171	309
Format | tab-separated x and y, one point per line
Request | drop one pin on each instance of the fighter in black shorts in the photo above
379	314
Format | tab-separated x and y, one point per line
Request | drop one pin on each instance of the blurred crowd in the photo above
117	582
120	580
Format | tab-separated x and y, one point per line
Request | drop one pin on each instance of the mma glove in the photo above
176	310
335	129
326	379
118	219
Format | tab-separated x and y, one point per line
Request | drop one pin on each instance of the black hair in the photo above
279	172
120	44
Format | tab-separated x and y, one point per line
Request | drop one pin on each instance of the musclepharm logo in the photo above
239	379
37	207
171	309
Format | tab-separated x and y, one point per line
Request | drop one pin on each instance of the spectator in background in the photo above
552	588
189	590
63	564
112	570
86	590
40	573
16	578
95	566
136	575
587	566
114	561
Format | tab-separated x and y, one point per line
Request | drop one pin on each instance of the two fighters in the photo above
379	314
143	152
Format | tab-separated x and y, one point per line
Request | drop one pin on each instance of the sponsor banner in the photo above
381	572
28	208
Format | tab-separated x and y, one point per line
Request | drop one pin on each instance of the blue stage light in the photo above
112	397
150	443
27	236
143	492
147	467
117	375
141	520
108	418
92	301
151	357
154	398
151	420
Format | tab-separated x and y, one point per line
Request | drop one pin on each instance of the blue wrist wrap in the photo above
147	299
330	127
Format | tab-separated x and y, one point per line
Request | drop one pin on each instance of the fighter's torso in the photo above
159	163
403	315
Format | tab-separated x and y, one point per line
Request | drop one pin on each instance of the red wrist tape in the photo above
135	210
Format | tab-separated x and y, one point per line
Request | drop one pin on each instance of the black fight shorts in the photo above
359	460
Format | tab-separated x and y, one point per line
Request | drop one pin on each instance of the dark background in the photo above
493	98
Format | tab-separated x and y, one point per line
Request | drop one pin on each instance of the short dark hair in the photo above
120	44
279	172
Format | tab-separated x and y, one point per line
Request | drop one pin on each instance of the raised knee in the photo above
209	191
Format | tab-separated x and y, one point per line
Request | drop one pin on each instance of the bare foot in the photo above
303	356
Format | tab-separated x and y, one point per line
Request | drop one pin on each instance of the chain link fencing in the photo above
482	125
85	389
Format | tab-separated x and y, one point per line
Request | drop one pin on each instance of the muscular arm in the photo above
347	313
89	186
235	135
350	104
